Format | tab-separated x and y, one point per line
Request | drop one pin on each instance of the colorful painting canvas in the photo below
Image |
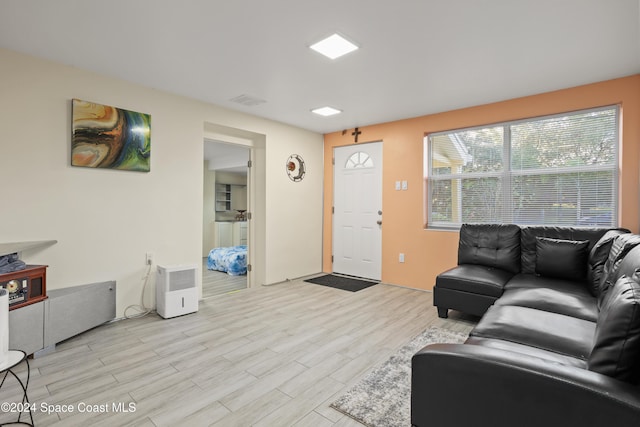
110	137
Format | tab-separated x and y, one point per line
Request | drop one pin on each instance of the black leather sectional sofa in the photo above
558	343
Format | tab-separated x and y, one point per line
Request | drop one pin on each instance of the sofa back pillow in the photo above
616	349
598	256
529	235
491	245
562	259
611	271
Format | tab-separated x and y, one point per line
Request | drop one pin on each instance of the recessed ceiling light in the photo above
326	111
334	46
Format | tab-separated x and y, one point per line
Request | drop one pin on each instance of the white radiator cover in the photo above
71	311
176	291
37	328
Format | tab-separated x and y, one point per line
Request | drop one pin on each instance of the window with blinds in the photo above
556	170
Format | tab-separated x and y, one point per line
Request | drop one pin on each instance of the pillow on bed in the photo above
562	259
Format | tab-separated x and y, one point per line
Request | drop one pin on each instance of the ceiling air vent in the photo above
247	100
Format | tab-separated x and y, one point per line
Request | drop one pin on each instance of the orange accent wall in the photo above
429	252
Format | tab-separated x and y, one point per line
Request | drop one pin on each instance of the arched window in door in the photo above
359	160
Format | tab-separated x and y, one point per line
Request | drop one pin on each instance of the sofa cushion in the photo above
528	350
597	258
536	328
620	247
575	304
528	240
490	245
476	279
616	350
628	266
536	282
563	259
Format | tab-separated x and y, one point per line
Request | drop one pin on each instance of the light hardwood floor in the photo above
217	282
270	356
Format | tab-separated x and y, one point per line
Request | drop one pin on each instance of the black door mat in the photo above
341	282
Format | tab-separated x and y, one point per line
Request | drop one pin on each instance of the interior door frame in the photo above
256	194
249	196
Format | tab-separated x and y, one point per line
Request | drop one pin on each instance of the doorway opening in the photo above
255	144
225	239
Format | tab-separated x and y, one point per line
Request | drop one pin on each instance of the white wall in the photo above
105	220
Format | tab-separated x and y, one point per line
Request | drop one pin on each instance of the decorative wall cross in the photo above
355	134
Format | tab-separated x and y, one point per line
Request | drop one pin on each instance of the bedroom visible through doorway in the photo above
225	226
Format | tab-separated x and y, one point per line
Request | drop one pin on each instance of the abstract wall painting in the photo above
108	137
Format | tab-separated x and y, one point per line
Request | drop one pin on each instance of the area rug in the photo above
350	284
383	397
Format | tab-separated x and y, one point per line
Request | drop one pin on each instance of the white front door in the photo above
357	218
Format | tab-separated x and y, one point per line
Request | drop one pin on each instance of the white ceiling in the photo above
416	57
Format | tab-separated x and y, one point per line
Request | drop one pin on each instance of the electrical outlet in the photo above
149	258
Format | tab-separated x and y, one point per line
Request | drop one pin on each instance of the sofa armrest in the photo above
465	384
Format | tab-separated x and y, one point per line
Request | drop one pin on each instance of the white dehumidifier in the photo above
176	292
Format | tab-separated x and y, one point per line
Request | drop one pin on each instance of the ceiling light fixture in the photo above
334	46
326	111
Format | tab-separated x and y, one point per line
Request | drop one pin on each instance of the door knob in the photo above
379	222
